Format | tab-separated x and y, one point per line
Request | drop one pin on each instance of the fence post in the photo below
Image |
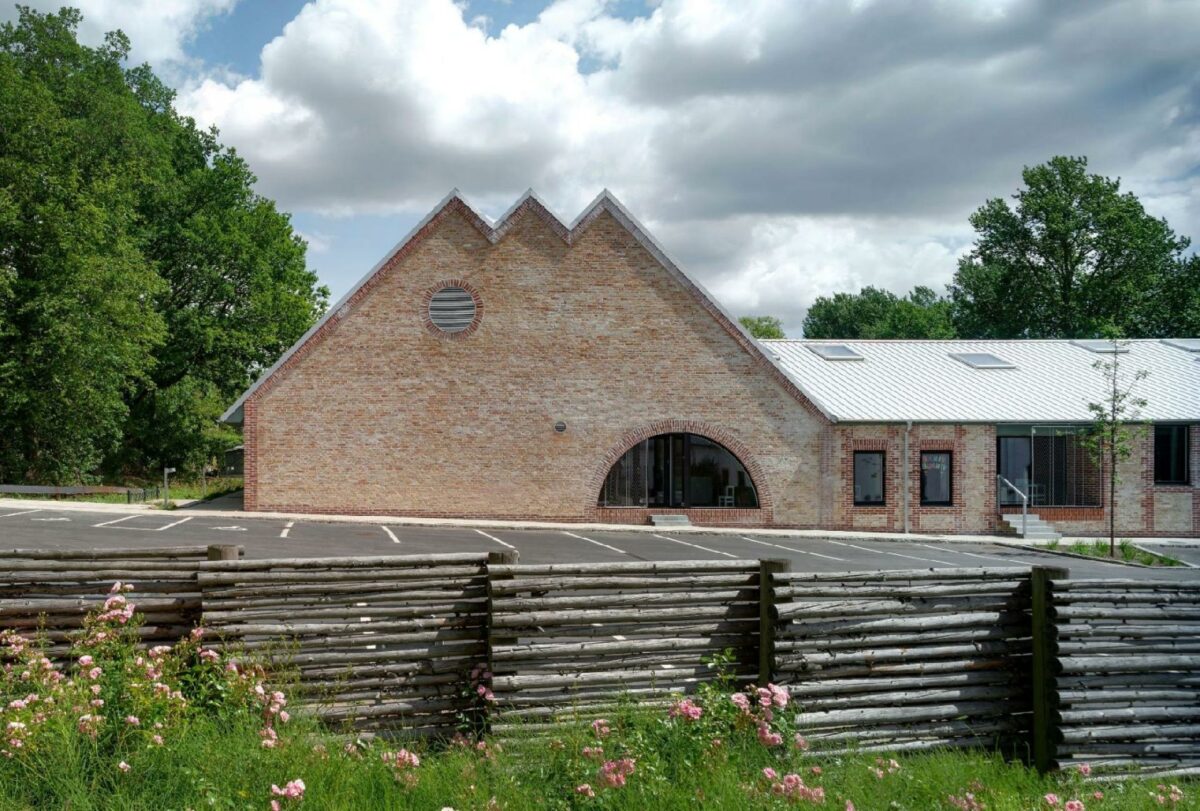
224	551
506	558
768	617
1045	666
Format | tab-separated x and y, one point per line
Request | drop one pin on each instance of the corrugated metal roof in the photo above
898	381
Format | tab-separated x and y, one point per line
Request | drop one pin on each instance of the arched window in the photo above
678	470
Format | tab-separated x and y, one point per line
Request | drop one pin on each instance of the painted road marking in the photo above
391	535
977	555
230	529
597	543
895	554
494	538
792	549
50	519
145	529
694	546
115	521
287	528
22	512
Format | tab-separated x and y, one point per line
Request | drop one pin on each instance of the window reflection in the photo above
678	470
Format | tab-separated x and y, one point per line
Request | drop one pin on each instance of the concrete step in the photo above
670	521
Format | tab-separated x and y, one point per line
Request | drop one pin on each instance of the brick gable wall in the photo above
383	415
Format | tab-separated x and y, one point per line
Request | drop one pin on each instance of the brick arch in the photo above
705	429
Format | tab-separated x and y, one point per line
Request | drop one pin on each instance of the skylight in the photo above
1186	344
834	352
982	360
1101	346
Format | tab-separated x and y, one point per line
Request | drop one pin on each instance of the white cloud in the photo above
780	149
158	29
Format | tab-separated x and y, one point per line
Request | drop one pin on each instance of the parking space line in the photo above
792	549
977	555
283	533
895	554
59	518
597	543
22	512
391	535
694	546
115	521
494	538
177	523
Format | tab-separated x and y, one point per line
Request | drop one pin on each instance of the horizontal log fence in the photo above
1123	674
50	591
1033	663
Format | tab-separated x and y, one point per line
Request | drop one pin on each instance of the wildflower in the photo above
1074	805
768	738
1051	800
85	660
284	716
1085	769
613	773
1097	795
132	720
209	655
778	695
741	701
849	806
600	727
585	789
158	740
294	790
123	766
801	742
770	773
94	673
686	710
816	770
593	752
716	743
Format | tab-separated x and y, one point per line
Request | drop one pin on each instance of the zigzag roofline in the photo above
530	203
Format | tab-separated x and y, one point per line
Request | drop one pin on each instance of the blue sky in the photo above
780	149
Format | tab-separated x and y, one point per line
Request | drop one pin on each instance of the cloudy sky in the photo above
780	149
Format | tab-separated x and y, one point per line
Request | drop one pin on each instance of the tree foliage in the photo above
142	281
763	326
1073	258
875	313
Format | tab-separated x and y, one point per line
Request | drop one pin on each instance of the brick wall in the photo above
383	414
973	460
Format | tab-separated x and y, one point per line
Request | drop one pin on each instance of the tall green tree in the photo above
142	280
1073	258
875	313
762	326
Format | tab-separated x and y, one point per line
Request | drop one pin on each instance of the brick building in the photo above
533	370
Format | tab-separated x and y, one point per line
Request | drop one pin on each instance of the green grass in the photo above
180	490
1126	551
207	764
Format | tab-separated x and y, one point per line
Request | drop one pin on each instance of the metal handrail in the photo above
1024	503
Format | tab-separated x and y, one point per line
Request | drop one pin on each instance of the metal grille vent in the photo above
452	309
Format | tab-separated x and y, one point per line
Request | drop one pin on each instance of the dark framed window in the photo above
869	470
937	478
1171	454
678	470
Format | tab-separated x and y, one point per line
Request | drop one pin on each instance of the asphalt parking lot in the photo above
48	528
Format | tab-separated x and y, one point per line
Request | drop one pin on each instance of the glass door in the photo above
1014	461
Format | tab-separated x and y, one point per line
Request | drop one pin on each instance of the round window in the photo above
452	309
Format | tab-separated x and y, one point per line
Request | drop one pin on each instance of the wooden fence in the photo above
1032	663
568	639
1124	670
907	660
52	590
380	643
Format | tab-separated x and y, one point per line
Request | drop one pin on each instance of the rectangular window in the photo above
1171	454
868	478
937	478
